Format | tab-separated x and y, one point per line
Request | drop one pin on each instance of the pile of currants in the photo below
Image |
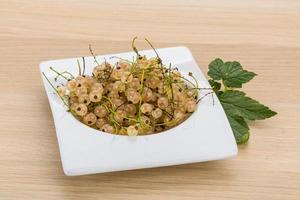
132	98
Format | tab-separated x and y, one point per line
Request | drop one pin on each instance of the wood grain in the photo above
263	35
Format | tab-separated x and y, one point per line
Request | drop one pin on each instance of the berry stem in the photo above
204	96
199	88
65	72
113	117
79	68
92	53
108	99
134	47
129	118
121	59
158	58
159	62
60	74
172	93
83	60
141	92
193	77
55	89
187	80
169	122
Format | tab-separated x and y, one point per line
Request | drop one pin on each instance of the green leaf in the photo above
236	103
231	73
240	129
237	106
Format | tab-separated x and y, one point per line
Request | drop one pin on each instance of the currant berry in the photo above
95	96
132	130
157	113
100	111
191	106
61	90
100	122
97	87
162	102
71	85
108	128
147	95
84	99
81	91
146	108
81	109
130	109
90	119
146	120
119	116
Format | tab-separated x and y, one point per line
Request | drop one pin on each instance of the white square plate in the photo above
204	136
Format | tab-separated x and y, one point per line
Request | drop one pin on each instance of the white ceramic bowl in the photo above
204	136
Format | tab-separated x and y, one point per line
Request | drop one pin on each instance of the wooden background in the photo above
264	35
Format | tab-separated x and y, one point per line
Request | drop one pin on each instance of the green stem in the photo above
194	80
115	122
58	74
169	122
108	99
171	87
121	59
65	72
112	118
142	123
107	109
131	119
187	80
134	47
91	51
225	87
141	92
133	66
199	88
204	97
79	68
55	89
83	59
158	58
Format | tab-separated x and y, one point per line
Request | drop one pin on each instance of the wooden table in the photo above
263	35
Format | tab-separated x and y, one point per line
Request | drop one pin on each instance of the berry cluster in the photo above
131	97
